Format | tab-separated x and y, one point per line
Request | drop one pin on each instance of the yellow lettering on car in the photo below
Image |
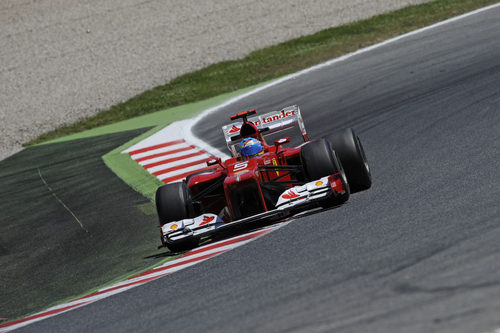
275	164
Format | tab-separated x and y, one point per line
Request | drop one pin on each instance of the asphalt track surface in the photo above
419	252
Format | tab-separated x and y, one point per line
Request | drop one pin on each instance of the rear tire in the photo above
173	203
352	156
319	160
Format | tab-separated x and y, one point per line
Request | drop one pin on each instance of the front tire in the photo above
319	160
352	156
173	203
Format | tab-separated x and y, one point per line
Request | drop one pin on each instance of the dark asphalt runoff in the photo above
419	252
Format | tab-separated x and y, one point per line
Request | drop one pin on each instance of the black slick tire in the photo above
319	160
350	151
173	203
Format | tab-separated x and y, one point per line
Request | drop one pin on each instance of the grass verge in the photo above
273	62
68	225
126	168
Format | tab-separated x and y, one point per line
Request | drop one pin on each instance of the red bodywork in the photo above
247	186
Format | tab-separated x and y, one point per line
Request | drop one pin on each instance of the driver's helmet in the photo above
250	147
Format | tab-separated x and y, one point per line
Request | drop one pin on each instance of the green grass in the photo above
85	227
131	172
158	119
122	165
71	176
272	62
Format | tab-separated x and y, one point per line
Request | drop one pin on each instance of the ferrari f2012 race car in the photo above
261	182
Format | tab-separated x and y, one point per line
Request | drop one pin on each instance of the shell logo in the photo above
174	226
290	195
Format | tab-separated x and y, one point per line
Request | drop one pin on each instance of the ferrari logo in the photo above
234	129
207	219
290	195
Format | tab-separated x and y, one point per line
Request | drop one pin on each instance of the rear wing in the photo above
268	123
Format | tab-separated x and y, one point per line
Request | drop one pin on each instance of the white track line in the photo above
172	162
188	125
160	150
172	156
180	162
170	133
193	168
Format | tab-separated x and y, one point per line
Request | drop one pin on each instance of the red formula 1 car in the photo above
275	183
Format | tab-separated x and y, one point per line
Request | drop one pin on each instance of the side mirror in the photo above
214	161
282	141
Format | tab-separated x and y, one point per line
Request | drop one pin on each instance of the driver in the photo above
250	147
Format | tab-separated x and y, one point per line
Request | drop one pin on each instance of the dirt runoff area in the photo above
62	60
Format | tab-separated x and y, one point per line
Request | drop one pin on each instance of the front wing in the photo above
290	202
